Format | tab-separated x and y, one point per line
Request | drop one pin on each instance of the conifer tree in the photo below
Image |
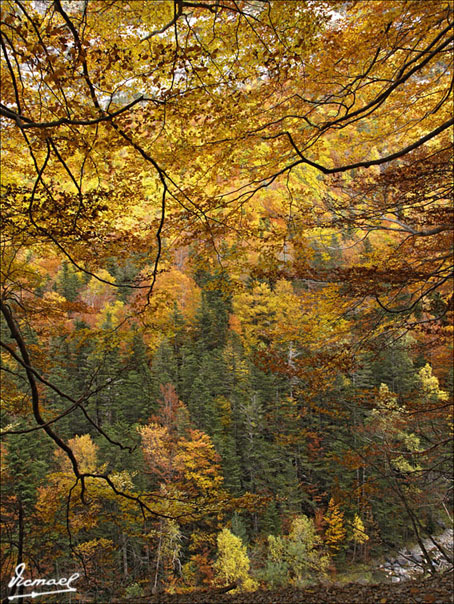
138	390
68	282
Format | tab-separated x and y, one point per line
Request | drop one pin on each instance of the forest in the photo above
226	298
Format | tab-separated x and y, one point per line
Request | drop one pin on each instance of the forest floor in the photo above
434	590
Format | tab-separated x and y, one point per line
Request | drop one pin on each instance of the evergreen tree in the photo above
395	368
71	372
138	389
24	466
68	283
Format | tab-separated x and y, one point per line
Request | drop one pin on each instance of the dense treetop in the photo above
226	283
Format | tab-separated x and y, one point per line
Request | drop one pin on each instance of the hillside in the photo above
226	303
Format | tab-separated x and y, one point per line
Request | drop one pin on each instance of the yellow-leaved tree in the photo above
335	532
358	535
232	564
297	558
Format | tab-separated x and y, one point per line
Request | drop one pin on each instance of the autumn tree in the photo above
335	532
297	557
232	564
280	168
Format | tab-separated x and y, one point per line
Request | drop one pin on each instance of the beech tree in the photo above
257	188
80	100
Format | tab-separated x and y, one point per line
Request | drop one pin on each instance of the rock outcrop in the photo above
410	563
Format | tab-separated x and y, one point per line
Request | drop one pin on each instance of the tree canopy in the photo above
227	231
